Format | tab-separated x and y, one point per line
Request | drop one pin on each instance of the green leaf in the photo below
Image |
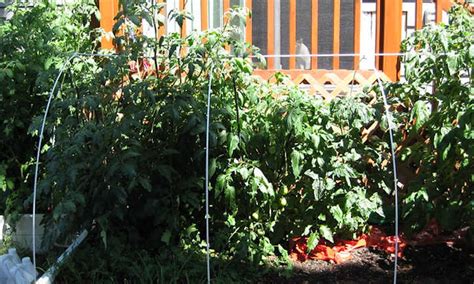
230	221
313	241
316	139
452	62
97	15
103	236
117	25
326	233
145	183
172	50
135	20
48	63
220	183
147	17
3	184
212	167
262	182
10	184
166	237
296	165
244	173
233	144
318	187
283	252
229	193
337	213
307	230
166	171
421	112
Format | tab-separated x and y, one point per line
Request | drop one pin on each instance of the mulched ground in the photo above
427	264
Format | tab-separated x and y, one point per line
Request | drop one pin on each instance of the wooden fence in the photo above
388	26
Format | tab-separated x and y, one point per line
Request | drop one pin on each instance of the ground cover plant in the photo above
124	156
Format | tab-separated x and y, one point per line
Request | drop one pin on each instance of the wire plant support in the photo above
208	116
55	89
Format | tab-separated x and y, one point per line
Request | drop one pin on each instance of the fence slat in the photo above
248	27
419	15
357	19
391	36
439	11
162	28
337	33
271	33
378	21
108	9
204	15
182	6
314	33
292	35
225	7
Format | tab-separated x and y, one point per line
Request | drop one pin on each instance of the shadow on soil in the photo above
93	263
430	264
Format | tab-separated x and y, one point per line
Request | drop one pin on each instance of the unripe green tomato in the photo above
284	190
283	202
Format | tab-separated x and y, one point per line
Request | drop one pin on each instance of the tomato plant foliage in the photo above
32	46
127	149
438	92
125	138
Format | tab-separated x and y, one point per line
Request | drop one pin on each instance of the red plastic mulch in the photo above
341	251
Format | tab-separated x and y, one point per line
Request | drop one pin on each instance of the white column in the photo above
277	43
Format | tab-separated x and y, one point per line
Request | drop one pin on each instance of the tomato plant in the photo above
438	94
124	153
32	47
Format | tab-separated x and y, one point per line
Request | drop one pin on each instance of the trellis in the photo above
328	83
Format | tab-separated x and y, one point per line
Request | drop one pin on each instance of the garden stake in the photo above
38	152
40	138
394	164
395	179
208	114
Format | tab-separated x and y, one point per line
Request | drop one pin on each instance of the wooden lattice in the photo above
327	83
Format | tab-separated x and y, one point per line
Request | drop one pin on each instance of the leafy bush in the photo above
128	153
438	134
125	143
34	43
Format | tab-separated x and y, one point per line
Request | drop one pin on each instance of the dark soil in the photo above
428	264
